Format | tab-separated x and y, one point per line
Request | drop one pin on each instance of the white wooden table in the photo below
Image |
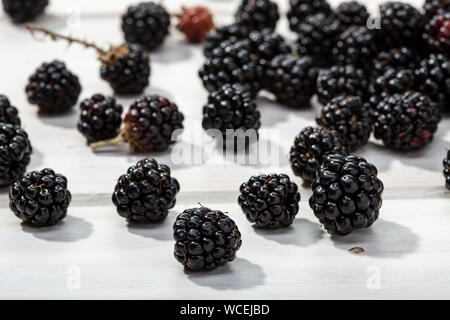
94	254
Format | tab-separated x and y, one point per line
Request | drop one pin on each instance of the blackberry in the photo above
40	198
15	151
125	67
149	125
310	148
269	201
406	121
8	113
400	23
266	44
446	163
396	58
100	118
433	79
341	80
146	23
317	35
300	9
205	239
130	72
146	192
230	108
257	14
291	79
392	81
195	23
435	7
351	13
232	62
437	33
232	32
24	10
350	118
355	46
53	88
346	194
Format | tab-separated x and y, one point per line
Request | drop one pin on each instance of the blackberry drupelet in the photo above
317	35
341	80
257	14
195	23
355	46
291	79
230	108
205	239
346	194
129	72
24	10
396	58
446	163
433	79
266	45
269	200
40	198
406	121
400	23
310	148
392	81
146	23
15	152
100	118
350	118
53	88
232	32
437	33
300	9
435	7
351	13
146	192
8	113
232	62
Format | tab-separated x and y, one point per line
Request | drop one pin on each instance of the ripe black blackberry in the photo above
270	200
231	108
146	192
8	113
351	13
149	125
406	121
257	14
341	80
346	194
433	79
300	9
437	33
266	44
310	148
435	7
291	79
232	62
350	118
24	10
205	239
396	58
40	198
446	163
100	118
400	23
392	81
15	152
146	23
53	88
129	72
232	32
355	46
317	35
125	67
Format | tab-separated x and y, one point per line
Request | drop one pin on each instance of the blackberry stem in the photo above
116	141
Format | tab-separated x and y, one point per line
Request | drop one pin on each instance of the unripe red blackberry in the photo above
195	23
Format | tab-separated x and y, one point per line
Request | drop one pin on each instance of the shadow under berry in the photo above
67	120
171	52
161	231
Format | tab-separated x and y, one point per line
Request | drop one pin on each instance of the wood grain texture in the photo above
408	249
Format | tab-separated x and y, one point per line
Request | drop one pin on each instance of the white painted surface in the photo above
407	250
